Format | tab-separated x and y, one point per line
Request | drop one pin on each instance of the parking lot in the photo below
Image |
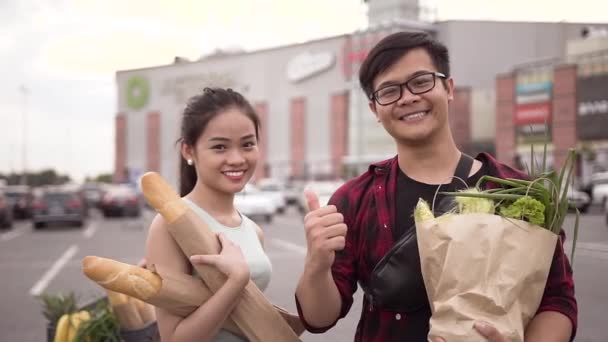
49	261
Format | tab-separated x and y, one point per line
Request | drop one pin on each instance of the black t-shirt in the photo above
406	198
409	190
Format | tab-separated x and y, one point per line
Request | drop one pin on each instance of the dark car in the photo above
20	197
6	212
92	193
120	200
58	206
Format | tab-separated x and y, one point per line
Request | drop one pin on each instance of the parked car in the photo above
579	199
92	194
276	191
120	200
58	205
254	204
20	198
600	194
596	178
6	212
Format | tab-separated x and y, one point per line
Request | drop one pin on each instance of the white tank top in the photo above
246	238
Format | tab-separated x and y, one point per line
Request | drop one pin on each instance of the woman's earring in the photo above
189	161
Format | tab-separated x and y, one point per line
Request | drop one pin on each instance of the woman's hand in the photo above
230	261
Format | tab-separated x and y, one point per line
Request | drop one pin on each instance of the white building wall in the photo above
261	77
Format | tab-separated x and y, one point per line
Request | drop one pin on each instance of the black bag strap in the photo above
462	170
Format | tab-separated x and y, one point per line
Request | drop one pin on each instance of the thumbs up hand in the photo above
325	233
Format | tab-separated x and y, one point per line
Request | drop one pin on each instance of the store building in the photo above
316	120
563	101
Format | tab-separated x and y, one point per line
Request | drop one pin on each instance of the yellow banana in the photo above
74	323
63	326
85	316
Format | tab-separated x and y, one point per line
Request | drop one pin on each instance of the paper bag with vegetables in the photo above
489	257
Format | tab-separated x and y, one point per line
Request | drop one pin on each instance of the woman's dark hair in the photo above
392	47
197	114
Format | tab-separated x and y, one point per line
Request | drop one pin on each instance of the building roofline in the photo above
228	55
520	22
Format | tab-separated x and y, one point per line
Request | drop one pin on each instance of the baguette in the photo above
180	294
125	311
253	313
146	311
120	277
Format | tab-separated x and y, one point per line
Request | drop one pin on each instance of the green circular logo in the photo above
138	92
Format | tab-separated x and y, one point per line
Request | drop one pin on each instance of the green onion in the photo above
548	190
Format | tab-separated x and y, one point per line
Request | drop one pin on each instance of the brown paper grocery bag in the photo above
483	267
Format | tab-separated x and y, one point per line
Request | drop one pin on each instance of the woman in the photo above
219	151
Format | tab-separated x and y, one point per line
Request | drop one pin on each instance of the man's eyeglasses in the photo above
416	85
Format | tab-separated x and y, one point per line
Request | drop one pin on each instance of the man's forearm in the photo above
549	326
319	298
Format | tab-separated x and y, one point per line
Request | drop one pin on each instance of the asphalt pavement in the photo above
49	261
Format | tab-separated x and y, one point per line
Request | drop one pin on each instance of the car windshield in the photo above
248	189
59	196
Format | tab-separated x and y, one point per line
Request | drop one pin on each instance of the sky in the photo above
59	57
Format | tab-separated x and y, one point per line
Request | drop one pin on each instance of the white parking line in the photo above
91	229
290	246
52	272
11	234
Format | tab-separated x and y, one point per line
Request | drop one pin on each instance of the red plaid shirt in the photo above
366	203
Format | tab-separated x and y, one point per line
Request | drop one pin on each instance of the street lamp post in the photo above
25	93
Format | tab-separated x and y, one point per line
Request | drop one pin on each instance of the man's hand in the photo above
325	233
486	330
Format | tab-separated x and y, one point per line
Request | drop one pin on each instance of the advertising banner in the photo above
592	101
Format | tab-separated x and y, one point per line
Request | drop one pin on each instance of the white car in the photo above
276	191
600	194
579	199
254	204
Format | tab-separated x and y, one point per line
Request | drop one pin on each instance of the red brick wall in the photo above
564	112
262	170
338	123
298	135
460	118
505	114
120	147
153	142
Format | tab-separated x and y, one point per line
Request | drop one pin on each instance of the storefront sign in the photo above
533	113
532	98
537	87
308	64
138	92
592	98
185	86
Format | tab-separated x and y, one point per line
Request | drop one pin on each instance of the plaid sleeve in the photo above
343	268
559	291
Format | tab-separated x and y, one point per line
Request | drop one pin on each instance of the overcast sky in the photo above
66	52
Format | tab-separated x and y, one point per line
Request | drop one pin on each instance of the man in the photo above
407	79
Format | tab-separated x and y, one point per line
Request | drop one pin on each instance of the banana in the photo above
63	326
74	323
85	316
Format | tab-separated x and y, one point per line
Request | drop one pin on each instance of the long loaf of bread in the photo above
177	293
253	313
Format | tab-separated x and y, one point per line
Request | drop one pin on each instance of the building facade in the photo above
316	121
563	102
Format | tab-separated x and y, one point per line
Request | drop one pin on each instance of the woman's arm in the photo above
203	324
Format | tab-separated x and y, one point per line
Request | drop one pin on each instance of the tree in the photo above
104	178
